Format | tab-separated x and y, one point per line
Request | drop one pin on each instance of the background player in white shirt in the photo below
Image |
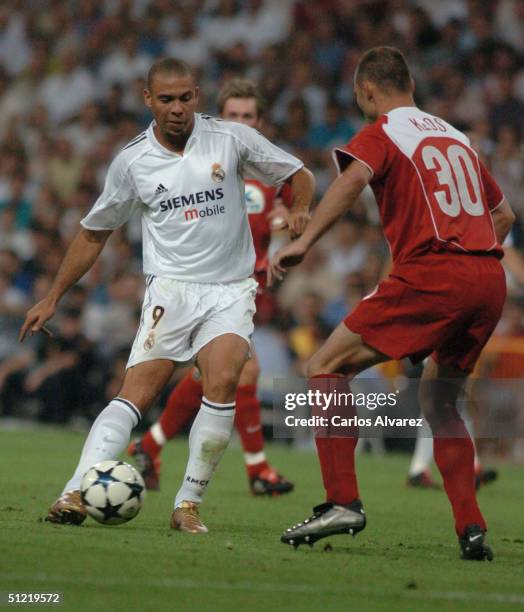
185	175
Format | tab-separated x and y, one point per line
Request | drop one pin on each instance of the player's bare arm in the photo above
303	186
79	258
503	219
341	195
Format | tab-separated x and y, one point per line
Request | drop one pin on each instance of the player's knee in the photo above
435	414
426	404
316	367
221	387
313	368
250	373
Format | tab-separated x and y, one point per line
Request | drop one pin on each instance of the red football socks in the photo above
249	427
182	405
455	459
150	445
336	454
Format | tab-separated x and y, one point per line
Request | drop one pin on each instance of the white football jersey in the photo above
193	206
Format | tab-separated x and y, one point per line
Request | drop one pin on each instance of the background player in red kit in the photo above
444	218
238	101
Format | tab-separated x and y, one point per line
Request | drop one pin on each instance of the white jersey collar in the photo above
194	134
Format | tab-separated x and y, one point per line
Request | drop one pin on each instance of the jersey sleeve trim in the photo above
95	229
291	173
492	210
336	160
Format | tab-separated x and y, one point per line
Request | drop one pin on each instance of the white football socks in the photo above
254	458
208	439
423	452
108	437
158	434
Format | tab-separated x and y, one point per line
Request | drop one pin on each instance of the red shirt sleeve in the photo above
370	146
285	193
494	195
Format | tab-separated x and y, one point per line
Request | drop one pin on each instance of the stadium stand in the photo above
71	81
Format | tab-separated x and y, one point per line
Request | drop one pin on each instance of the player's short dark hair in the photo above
240	88
168	65
386	67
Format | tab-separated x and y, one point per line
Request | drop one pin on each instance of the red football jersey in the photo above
433	192
260	201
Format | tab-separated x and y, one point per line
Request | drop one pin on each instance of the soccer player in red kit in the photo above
445	219
238	101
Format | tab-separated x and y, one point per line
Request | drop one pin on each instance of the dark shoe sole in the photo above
314	537
279	490
480	554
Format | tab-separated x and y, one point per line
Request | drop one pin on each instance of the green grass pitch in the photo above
406	559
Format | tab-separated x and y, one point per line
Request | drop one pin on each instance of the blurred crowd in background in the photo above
71	80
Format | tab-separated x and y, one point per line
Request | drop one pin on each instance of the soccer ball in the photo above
112	492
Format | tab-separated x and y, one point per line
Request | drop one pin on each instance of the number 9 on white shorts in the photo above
179	318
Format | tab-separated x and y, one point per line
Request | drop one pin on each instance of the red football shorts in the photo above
446	306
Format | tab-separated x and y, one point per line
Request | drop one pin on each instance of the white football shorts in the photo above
179	317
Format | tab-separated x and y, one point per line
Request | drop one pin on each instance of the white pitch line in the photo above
512	598
171	583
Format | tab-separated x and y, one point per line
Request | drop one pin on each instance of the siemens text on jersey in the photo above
198	197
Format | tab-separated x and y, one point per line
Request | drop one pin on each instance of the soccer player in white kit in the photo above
185	174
